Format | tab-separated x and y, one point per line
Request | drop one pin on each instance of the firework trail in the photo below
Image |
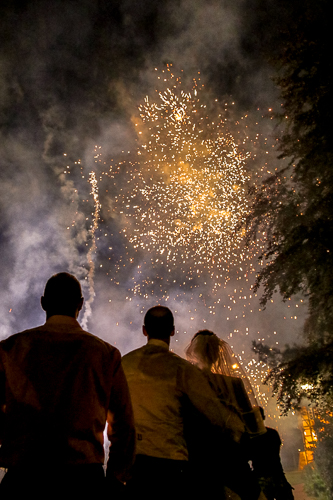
92	249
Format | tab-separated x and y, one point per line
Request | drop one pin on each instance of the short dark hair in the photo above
62	294
159	322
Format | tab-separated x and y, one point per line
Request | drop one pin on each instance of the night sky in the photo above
72	77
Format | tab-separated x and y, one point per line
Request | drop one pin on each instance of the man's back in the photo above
58	384
167	392
153	375
164	390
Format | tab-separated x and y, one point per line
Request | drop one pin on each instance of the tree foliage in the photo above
294	207
323	453
314	484
299	372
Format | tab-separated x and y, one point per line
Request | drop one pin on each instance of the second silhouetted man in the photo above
166	390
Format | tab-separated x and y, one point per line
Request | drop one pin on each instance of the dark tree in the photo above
294	207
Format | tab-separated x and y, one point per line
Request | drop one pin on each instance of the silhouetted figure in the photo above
226	467
167	391
265	456
59	386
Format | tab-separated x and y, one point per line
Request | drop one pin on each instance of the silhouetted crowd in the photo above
176	427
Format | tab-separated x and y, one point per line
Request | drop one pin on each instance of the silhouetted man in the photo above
166	390
267	466
59	385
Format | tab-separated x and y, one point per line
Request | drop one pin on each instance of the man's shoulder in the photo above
151	350
94	338
31	334
98	342
134	352
130	356
15	337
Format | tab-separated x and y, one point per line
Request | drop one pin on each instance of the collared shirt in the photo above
58	387
164	388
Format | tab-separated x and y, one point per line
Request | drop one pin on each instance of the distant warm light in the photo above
307	387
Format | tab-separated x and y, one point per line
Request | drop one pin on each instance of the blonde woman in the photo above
231	385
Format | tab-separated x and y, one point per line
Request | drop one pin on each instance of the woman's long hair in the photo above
211	353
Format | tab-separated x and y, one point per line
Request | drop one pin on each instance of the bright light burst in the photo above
189	196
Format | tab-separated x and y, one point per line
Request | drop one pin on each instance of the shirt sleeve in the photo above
203	398
120	426
2	397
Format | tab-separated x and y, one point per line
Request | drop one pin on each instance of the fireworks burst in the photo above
189	198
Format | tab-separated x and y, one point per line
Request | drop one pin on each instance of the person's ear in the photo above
43	303
144	331
172	333
80	304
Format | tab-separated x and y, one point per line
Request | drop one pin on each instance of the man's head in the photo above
159	324
62	295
